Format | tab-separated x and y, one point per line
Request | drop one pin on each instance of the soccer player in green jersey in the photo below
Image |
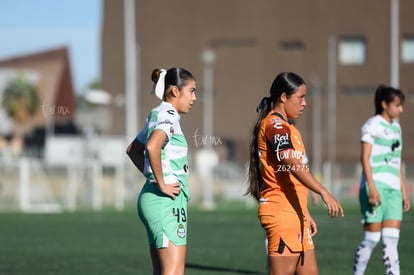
162	157
383	196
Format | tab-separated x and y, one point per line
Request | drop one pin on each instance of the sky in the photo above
30	26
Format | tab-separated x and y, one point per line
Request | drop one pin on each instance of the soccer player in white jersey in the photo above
161	155
383	196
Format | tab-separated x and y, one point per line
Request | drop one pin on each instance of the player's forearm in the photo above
304	176
307	179
154	156
403	189
136	153
366	150
366	169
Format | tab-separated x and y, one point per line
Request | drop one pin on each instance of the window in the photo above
407	49
352	51
292	45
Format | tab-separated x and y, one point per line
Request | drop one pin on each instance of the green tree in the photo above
20	99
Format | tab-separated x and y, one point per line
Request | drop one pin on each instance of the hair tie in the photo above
160	85
265	101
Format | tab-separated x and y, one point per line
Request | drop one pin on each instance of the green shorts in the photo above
390	208
165	219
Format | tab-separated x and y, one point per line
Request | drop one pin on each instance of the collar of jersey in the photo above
169	105
278	114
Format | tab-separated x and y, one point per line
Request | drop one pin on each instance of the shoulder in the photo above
166	112
372	123
274	121
275	126
373	120
371	129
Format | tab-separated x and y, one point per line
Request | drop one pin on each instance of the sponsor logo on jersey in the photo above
166	121
281	140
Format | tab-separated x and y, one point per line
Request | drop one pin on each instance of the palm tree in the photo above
20	99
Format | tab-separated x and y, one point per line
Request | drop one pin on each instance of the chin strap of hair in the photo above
263	104
160	85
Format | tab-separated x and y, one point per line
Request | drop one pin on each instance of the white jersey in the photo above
174	152
386	142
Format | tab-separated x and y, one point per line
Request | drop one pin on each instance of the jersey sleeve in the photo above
368	132
166	122
278	136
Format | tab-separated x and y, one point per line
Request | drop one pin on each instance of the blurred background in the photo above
75	90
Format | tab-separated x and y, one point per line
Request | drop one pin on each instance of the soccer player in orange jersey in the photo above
280	180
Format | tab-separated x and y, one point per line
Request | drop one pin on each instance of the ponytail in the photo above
286	82
264	108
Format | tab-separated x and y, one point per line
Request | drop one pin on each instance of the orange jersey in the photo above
279	188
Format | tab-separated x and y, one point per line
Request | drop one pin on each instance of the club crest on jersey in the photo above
181	231
172	130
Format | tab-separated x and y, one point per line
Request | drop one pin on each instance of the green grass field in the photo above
228	240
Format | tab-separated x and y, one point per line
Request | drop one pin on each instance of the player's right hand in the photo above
374	197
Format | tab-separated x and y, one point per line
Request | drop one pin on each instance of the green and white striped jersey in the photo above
174	152
386	143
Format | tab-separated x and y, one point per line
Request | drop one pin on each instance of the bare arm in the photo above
135	152
154	146
373	196
307	179
406	200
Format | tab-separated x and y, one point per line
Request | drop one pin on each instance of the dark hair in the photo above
286	82
387	94
175	77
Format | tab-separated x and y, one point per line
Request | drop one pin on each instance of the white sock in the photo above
390	237
364	251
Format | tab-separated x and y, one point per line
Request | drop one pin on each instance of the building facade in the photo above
49	71
341	48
